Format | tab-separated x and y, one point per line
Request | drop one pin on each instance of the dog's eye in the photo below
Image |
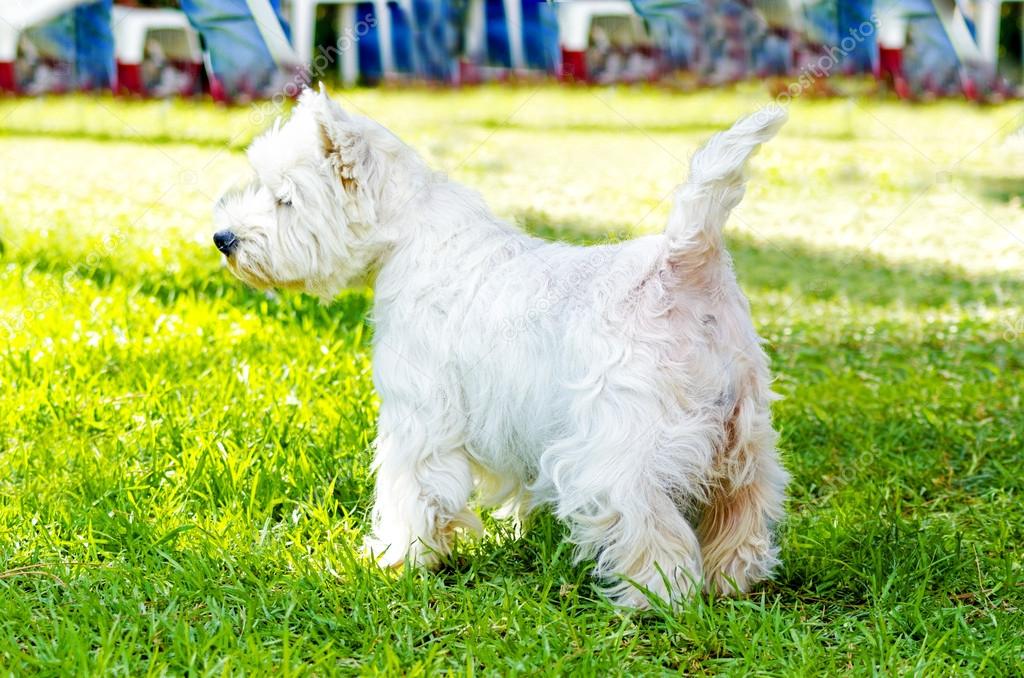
284	202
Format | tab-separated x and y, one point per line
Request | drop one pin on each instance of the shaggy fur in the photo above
623	385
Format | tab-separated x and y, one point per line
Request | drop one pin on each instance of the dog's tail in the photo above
715	186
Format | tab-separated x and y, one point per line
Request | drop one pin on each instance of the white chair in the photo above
893	25
172	34
892	29
304	22
574	22
15	19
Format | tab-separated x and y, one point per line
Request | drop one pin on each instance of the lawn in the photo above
184	462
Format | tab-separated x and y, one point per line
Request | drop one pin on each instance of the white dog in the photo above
623	385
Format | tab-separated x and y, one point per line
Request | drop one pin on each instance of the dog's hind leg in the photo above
736	527
424	481
643	544
621	512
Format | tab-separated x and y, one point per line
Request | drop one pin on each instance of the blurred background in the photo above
240	49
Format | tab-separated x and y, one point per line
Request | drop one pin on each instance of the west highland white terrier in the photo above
623	385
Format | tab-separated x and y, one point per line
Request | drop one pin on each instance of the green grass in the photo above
184	474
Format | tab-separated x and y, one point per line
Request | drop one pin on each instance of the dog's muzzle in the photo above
226	242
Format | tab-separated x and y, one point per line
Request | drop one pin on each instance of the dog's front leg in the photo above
424	481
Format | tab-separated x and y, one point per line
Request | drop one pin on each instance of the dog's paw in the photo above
384	555
392	556
743	569
641	591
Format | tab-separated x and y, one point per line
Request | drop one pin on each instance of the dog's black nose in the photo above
225	241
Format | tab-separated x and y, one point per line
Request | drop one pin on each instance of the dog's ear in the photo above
341	137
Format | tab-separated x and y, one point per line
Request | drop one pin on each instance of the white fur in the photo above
623	384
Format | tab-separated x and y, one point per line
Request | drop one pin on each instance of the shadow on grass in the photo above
211	284
788	265
698	128
243	139
1002	189
149	139
781	265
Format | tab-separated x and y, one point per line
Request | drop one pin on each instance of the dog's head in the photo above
314	217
